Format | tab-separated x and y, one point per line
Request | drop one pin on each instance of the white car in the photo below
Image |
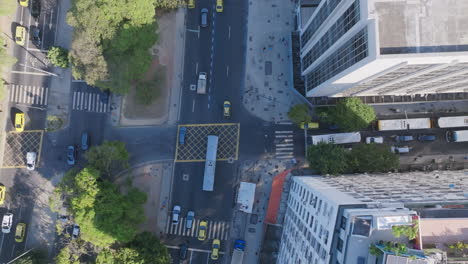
377	140
76	231
176	214
31	160
7	222
189	220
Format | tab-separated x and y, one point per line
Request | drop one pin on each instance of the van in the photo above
400	150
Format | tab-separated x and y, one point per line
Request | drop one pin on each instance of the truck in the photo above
238	252
457	136
246	196
404	124
453	121
338	138
201	86
210	163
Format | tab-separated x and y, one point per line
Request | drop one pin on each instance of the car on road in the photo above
75	231
31	160
309	125
84	141
403	138
182	131
20	35
215	249
19	122
400	150
2	194
20	232
36	8
71	155
377	140
202	229
183	250
219	6
189	219
426	138
7	222
24	3
191	4
204	17
176	214
35	35
227	109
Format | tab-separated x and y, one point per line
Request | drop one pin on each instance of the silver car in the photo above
189	219
7	222
31	160
176	214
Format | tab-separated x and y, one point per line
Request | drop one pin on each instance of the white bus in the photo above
339	138
404	124
210	163
453	121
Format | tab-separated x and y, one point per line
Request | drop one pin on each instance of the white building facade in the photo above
385	47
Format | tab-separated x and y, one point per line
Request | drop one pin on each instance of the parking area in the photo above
17	144
192	143
193	255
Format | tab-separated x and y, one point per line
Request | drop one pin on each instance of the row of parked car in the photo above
402	138
7	223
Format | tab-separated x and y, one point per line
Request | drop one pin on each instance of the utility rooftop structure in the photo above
384	47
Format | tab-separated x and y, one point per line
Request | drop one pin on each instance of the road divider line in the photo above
227	70
284	132
196	68
193	106
229	32
56	24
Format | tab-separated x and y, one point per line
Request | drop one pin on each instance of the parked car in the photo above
176	214
377	140
20	232
202	229
310	125
183	251
182	131
36	8
71	155
215	249
36	35
189	219
75	231
399	150
403	138
219	6
31	160
84	141
2	194
24	3
227	109
20	35
204	17
19	122
7	222
425	138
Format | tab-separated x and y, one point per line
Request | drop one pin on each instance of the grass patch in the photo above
148	91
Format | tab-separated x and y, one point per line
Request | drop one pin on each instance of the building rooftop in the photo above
443	230
417	26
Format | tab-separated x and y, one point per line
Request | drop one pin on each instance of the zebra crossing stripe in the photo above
284	145
283	136
284	132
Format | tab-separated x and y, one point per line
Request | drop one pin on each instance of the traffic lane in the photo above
194	256
34	117
48	22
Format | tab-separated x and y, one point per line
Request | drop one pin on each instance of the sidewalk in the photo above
268	85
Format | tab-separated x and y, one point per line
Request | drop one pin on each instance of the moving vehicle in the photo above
201	85
238	252
35	8
452	121
377	140
204	17
182	131
20	35
210	163
31	160
425	138
189	219
176	214
399	150
215	249
457	136
35	33
339	138
219	6
24	3
310	125
227	109
202	230
7	222
19	122
183	251
76	231
2	194
20	232
191	4
84	141
403	138
71	155
404	124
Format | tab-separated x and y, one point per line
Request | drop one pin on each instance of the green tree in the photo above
351	114
36	256
299	113
150	249
7	7
108	156
169	3
64	256
58	56
327	158
372	158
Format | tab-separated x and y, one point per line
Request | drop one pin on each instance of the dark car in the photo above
182	132
71	155
84	141
183	251
36	8
403	138
427	138
204	17
35	35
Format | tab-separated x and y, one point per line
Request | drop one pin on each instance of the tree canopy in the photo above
372	158
299	113
109	156
327	158
350	114
58	56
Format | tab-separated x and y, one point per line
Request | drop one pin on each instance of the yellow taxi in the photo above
19	122
20	232
227	109
24	3
309	125
191	4
219	5
202	229
215	249
2	194
20	35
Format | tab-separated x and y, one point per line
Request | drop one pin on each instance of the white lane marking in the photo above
208	257
74	100
198	31
284	145
229	32
196	68
45	97
27	41
56	24
194	249
283	149
50	21
284	132
283	136
22	11
191	253
193	106
31	73
79	81
227	70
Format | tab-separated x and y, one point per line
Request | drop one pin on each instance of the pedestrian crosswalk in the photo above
284	146
27	94
90	102
216	229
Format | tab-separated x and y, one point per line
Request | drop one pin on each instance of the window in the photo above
311	223
307	218
315	202
319	206
339	245
311	198
320	232
325	237
315	227
325	207
343	223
